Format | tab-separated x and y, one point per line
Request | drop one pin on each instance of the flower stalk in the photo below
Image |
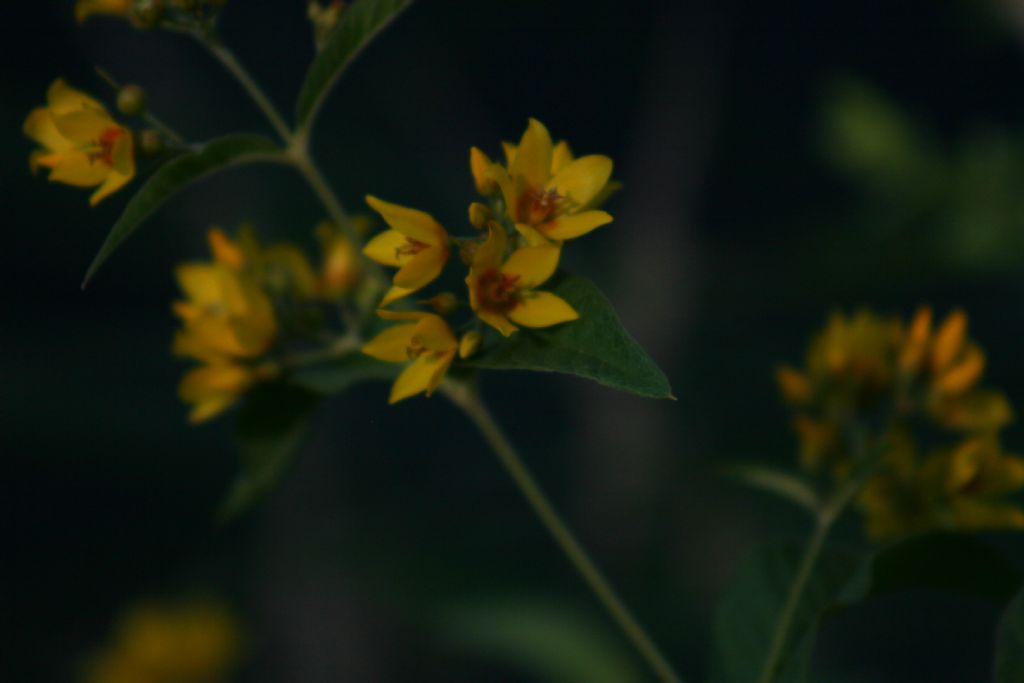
467	398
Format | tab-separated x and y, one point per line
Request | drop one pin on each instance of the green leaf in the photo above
781	483
338	374
166	181
546	640
747	615
596	346
357	26
1009	662
271	427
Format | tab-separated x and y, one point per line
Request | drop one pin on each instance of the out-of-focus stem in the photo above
466	397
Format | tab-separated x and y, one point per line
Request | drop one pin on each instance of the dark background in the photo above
750	210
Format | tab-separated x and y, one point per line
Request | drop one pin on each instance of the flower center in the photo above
108	138
416	348
411	247
498	291
536	206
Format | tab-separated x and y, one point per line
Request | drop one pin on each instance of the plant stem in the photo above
466	397
227	58
825	519
297	153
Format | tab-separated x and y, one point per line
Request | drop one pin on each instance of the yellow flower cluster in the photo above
81	144
187	643
910	394
229	318
539	198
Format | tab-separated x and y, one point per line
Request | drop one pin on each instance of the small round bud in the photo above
469	344
444	303
146	14
467	250
131	100
479	214
151	142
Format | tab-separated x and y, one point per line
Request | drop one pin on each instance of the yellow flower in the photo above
340	270
961	488
502	291
427	341
196	643
85	8
82	145
416	244
546	192
228	323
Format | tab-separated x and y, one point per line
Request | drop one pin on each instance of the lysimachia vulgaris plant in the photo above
892	419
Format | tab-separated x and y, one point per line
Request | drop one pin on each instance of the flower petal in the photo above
560	157
491	253
533	156
575	225
62	99
581	180
434	334
113	182
532	235
479	163
392	344
422	269
413	223
499	175
533	265
422	375
497	321
386	248
75	168
542	309
84	126
40	127
949	339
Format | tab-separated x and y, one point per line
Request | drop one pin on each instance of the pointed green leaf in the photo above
270	429
547	640
748	614
357	26
338	374
1009	664
596	346
778	482
183	170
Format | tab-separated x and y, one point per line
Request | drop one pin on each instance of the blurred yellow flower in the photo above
187	643
85	8
875	389
82	145
959	488
502	291
228	322
547	193
416	244
427	341
340	269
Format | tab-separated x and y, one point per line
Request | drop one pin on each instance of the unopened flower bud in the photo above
467	250
146	14
151	143
479	214
469	344
131	100
444	303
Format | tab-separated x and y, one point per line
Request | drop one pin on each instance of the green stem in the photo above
825	519
227	58
466	397
297	152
